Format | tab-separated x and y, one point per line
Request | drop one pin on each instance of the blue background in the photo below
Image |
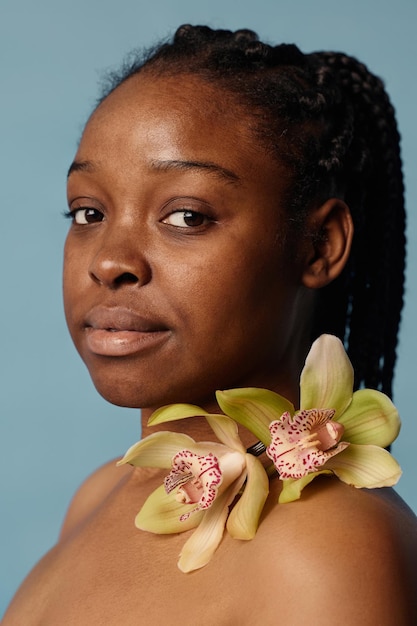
55	429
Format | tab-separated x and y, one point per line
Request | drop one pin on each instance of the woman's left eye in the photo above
186	219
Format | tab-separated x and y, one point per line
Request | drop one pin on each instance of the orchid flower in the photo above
334	431
203	481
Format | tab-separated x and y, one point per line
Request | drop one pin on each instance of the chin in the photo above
132	396
128	384
120	394
148	395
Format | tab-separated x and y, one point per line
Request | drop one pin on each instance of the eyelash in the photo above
72	215
188	214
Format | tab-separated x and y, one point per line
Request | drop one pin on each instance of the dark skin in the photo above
182	276
233	262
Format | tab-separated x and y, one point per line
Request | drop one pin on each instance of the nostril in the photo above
111	269
126	278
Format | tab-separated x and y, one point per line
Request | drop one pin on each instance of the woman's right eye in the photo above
86	216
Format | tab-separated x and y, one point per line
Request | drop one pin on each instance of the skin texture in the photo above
164	312
191	281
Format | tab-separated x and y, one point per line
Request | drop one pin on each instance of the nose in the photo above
120	263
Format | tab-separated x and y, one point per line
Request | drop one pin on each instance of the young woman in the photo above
230	202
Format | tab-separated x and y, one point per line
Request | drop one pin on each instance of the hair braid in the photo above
374	275
330	121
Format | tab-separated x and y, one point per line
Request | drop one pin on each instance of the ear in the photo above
330	232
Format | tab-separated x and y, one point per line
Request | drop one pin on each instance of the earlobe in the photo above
330	232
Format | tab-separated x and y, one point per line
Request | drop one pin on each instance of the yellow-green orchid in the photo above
334	431
203	481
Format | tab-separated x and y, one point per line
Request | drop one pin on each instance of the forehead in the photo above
183	103
180	93
174	117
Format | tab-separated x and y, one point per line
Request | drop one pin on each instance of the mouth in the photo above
118	331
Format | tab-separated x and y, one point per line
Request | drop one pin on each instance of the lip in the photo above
118	331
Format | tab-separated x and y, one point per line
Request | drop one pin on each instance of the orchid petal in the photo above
254	408
243	520
156	450
202	544
161	514
226	431
292	488
327	376
173	412
365	466
371	418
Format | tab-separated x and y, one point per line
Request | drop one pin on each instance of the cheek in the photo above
73	282
67	283
238	289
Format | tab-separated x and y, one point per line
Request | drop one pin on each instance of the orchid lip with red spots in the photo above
304	442
196	478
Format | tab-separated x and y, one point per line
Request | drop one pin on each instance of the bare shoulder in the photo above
350	554
94	490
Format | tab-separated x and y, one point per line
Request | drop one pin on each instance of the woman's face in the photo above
178	277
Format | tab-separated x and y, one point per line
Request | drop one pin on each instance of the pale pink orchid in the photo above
196	478
304	442
334	431
204	480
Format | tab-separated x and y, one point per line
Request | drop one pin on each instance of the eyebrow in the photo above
218	170
166	165
80	166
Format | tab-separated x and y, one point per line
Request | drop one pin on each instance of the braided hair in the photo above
331	122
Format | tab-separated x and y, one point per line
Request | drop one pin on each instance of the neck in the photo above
285	382
283	378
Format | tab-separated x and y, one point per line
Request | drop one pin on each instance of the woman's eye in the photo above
186	219
86	216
